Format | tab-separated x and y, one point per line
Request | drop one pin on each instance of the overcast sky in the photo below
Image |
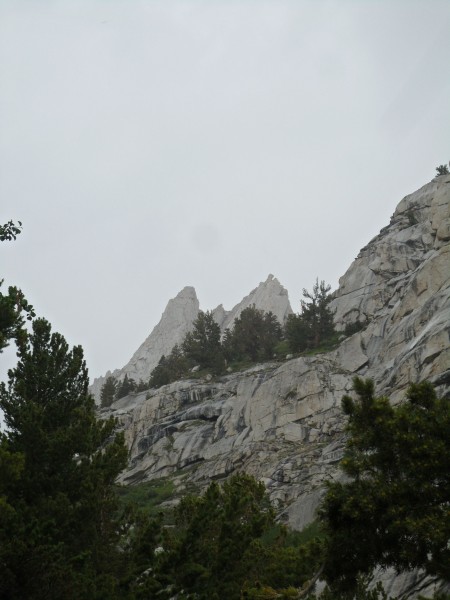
151	145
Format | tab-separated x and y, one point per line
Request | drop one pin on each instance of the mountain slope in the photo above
178	318
282	422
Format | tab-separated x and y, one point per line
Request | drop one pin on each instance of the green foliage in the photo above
108	392
202	346
314	325
57	472
313	531
148	496
282	566
143	541
221	547
170	368
282	349
254	335
395	508
9	231
141	386
297	334
14	307
442	170
213	533
355	327
316	314
125	387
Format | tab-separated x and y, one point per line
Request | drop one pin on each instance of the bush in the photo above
442	170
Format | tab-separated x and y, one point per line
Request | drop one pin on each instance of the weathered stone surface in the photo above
178	319
400	285
270	295
282	421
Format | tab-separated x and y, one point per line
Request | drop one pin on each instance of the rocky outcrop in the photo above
398	288
175	322
279	422
282	421
270	295
178	319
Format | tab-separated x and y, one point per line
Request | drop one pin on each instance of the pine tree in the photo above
202	346
316	314
206	549
108	392
442	170
14	307
314	325
297	333
254	335
126	386
394	507
59	478
170	368
271	334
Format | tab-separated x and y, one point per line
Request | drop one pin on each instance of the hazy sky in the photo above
151	145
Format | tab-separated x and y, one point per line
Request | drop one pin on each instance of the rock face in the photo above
399	285
270	295
266	419
178	319
282	421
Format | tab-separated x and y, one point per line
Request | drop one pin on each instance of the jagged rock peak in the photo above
175	322
178	318
270	295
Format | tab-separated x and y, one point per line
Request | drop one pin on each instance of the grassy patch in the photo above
327	346
147	496
311	531
282	349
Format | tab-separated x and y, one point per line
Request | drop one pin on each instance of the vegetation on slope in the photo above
65	534
255	336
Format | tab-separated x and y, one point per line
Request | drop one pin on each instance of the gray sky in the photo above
150	145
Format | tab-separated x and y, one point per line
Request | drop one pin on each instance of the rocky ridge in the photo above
282	421
268	296
178	318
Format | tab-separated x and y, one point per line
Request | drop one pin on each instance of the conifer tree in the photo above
316	314
254	335
59	477
206	550
108	392
442	170
14	307
314	325
202	346
394	507
126	386
170	368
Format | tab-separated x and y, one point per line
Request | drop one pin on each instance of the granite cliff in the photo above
178	318
282	421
